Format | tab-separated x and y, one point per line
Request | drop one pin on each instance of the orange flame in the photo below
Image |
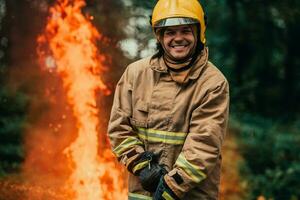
71	39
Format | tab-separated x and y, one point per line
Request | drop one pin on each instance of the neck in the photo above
177	65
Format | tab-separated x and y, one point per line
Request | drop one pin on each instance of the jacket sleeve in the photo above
124	141
202	148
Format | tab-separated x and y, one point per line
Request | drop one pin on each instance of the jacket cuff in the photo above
130	156
184	176
180	185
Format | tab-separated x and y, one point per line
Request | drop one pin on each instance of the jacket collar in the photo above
159	65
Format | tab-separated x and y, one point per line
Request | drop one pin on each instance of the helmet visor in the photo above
175	21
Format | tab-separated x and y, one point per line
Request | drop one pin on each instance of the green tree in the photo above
12	110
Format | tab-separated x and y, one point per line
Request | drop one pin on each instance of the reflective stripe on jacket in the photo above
184	123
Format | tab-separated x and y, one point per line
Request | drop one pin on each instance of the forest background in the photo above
254	43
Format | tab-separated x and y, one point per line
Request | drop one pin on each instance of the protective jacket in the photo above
183	122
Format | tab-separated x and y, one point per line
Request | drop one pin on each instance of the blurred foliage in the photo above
13	106
254	43
272	159
257	54
12	112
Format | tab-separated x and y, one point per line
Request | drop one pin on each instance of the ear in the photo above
195	30
158	38
159	33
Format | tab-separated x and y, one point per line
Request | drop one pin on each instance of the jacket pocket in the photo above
135	123
140	113
141	106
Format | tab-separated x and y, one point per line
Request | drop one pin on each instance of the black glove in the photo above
143	160
150	176
164	192
149	171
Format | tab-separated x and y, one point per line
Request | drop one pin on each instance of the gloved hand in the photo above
149	171
143	160
164	192
150	176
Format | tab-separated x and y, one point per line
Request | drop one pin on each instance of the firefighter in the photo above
170	111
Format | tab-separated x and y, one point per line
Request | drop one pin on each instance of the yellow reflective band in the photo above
191	169
134	196
126	144
161	136
140	166
167	196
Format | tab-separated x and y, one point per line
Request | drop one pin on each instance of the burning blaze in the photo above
71	39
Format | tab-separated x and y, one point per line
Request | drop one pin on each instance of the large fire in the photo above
71	39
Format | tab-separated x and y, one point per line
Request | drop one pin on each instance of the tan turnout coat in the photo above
183	122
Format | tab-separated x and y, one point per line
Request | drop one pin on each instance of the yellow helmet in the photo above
179	12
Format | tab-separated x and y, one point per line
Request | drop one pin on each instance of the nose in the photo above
178	36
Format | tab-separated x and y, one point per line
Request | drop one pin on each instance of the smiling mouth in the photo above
179	46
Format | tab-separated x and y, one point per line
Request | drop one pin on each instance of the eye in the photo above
186	31
169	32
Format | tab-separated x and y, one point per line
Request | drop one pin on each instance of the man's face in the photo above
179	41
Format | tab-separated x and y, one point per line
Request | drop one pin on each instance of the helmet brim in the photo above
175	21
